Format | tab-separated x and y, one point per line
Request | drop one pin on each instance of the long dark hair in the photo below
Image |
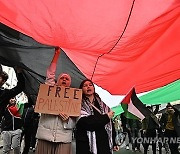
95	94
82	83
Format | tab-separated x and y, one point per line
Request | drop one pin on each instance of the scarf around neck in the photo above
87	110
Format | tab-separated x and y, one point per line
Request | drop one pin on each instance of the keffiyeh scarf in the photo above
87	110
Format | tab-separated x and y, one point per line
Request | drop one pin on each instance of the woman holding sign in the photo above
55	131
95	131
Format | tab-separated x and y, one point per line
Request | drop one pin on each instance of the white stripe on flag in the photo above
135	111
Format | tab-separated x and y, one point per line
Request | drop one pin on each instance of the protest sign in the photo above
58	99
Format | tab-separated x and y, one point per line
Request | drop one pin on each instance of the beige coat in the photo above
51	127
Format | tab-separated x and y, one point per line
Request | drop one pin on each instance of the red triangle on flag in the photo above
127	98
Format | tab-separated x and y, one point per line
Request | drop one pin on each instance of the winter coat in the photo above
94	131
175	120
51	127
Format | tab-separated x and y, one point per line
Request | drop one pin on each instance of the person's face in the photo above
170	110
12	101
64	80
88	88
1	81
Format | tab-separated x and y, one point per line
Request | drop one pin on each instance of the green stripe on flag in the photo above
20	108
168	93
118	110
128	114
123	109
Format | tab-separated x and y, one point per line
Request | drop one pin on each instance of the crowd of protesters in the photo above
158	130
94	127
96	130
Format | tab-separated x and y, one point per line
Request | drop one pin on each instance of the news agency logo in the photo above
153	140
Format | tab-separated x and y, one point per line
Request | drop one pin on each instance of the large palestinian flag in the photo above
118	45
17	49
165	94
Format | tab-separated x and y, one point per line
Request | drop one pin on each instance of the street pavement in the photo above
121	151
